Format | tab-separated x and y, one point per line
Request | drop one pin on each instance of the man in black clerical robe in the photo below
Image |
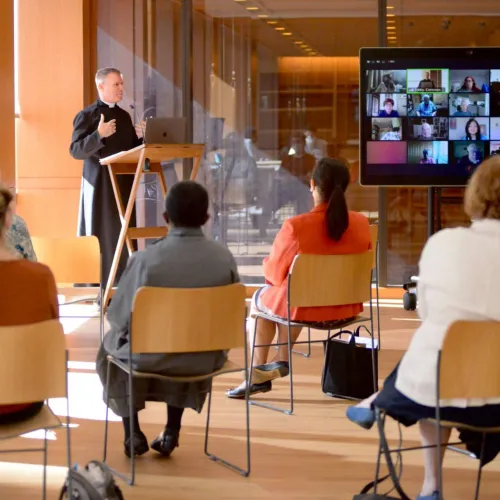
100	130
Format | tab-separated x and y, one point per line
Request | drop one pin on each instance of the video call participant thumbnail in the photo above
388	111
469	104
386	105
495	129
425	129
495	99
469	129
469	80
428	105
494	148
386	153
386	129
428	153
381	81
428	80
495	76
468	155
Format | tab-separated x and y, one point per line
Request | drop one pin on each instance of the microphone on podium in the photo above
137	120
146	161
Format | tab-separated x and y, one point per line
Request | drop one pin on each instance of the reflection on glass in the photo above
273	92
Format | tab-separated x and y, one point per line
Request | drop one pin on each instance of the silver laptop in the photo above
165	131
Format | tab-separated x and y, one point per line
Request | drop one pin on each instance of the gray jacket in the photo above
184	259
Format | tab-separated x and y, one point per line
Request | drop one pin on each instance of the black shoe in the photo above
166	442
239	392
140	445
270	371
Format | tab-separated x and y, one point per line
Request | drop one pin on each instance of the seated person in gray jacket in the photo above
183	259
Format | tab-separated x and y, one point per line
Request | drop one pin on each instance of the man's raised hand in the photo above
105	129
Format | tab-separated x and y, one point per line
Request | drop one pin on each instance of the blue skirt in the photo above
408	413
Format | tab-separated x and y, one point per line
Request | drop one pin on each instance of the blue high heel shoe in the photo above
364	417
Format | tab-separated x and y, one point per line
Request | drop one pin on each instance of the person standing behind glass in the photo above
314	145
291	183
251	156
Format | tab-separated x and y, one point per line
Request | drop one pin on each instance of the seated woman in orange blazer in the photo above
28	295
328	229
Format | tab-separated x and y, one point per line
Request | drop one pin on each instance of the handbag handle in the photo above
352	334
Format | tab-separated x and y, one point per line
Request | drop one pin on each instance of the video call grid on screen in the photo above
428	116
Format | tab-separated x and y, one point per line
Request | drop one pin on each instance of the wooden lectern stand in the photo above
138	161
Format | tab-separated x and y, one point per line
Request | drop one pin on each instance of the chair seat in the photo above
229	367
317	325
449	424
45	419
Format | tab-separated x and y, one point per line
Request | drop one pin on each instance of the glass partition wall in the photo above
268	74
270	87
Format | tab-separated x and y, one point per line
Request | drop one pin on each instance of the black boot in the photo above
166	442
140	444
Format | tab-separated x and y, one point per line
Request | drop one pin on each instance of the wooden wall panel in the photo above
53	62
7	123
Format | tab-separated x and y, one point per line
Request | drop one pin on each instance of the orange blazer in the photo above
307	234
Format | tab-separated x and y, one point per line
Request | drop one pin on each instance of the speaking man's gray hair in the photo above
102	73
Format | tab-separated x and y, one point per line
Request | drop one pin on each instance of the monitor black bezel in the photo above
384	53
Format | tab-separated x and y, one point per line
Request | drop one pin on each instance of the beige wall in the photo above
7	123
53	57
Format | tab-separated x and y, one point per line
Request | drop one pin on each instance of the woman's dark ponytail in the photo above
337	214
332	178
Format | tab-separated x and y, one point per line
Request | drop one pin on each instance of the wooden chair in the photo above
467	368
312	283
374	240
74	261
375	275
177	320
33	360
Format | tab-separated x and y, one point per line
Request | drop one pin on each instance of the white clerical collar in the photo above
110	104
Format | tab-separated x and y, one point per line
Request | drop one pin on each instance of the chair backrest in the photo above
71	260
374	238
32	362
330	280
469	366
173	320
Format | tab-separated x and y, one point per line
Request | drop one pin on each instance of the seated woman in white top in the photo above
458	280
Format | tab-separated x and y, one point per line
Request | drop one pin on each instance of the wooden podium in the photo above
144	159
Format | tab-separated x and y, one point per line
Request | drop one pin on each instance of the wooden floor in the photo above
314	454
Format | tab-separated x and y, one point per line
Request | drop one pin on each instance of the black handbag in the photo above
348	370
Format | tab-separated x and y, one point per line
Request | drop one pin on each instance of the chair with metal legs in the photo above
174	320
74	260
375	280
467	369
311	283
33	367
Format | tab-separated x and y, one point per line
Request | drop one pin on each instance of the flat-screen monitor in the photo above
429	116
